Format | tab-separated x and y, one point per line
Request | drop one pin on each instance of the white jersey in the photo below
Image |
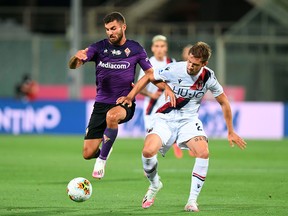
189	90
150	105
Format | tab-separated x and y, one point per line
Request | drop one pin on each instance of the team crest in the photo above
127	51
106	139
200	85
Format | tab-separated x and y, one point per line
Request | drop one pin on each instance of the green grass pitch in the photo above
35	170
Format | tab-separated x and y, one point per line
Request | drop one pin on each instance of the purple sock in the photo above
109	137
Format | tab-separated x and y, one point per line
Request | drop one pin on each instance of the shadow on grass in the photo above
33	211
43	211
167	209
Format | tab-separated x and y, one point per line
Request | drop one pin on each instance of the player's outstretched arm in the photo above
135	90
233	138
148	77
152	95
76	60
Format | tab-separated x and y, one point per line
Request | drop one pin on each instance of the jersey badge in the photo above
127	51
200	85
180	80
106	139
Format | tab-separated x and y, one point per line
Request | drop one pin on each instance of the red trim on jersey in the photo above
181	102
202	79
169	60
166	108
152	103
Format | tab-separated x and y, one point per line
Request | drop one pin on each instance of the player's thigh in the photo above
187	133
97	122
95	129
159	136
199	146
189	129
120	113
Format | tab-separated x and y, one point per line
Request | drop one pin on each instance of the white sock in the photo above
150	168
198	177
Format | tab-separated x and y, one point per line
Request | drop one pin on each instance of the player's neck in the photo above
160	58
123	41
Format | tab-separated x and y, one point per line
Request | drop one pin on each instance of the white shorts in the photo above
179	131
148	121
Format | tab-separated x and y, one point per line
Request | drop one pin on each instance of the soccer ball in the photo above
79	189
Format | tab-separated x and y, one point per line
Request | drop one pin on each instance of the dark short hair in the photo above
114	16
201	50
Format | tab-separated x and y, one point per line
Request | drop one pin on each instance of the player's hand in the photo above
233	138
169	93
82	54
124	100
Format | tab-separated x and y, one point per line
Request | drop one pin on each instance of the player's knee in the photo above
87	155
149	152
112	117
203	154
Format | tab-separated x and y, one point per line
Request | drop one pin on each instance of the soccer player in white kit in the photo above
190	81
153	99
154	96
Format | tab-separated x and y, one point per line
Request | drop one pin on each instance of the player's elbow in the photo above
72	67
151	77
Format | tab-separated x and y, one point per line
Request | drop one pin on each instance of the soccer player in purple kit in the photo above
115	60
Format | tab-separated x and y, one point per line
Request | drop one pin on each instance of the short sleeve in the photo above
144	60
215	86
163	74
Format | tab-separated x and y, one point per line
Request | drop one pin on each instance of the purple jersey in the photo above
116	68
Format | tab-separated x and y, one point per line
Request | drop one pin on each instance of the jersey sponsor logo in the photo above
188	93
116	52
115	65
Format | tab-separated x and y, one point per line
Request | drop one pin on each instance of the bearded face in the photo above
115	31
